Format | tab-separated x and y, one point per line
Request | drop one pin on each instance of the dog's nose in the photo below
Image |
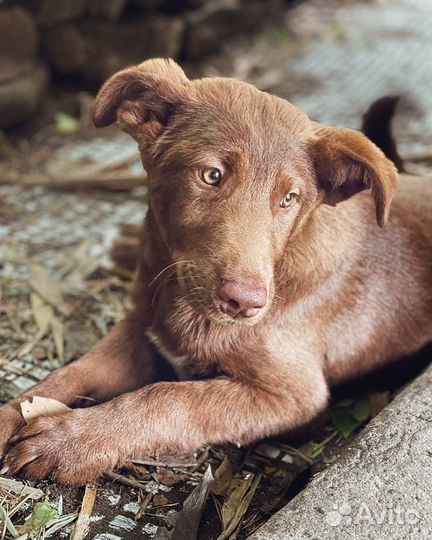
240	299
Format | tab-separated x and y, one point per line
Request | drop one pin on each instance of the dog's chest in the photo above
179	362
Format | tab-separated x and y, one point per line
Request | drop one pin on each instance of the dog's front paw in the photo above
66	448
10	422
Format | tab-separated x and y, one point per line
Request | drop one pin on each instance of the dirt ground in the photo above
59	293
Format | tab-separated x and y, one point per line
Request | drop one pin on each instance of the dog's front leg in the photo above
165	418
121	362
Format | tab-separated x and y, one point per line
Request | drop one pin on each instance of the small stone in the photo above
216	22
52	12
107	9
114	499
132	507
150	529
122	522
64	48
19	42
20	97
111	47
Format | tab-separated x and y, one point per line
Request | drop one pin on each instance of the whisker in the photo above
167	268
163	284
190	295
211	250
198	288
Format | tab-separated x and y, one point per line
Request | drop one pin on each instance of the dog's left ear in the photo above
346	162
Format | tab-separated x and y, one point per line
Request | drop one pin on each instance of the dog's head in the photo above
233	175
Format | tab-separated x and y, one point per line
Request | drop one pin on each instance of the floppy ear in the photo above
141	97
346	162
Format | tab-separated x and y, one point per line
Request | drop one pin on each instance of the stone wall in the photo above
85	41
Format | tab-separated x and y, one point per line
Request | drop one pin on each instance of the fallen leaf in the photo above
349	414
10	254
42	514
362	409
168	478
14	486
48	289
378	401
8	523
186	522
222	477
66	124
343	421
27	348
59	523
42	314
236	506
41	406
160	500
230	506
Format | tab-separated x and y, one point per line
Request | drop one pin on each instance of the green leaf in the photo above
343	421
362	409
9	525
66	124
43	513
316	449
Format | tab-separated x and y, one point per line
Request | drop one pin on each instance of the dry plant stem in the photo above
83	523
143	507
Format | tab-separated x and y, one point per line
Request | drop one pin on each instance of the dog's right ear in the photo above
142	98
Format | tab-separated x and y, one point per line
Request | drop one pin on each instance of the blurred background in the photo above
65	186
331	57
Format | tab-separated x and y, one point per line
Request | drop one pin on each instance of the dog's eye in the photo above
288	199
211	176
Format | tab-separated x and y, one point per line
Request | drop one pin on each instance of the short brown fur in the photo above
344	294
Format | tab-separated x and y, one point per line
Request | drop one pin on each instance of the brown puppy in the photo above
253	282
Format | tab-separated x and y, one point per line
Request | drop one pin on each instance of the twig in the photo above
82	525
124	480
143	507
203	457
167	463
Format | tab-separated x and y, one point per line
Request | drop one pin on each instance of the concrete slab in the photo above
362	51
380	488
